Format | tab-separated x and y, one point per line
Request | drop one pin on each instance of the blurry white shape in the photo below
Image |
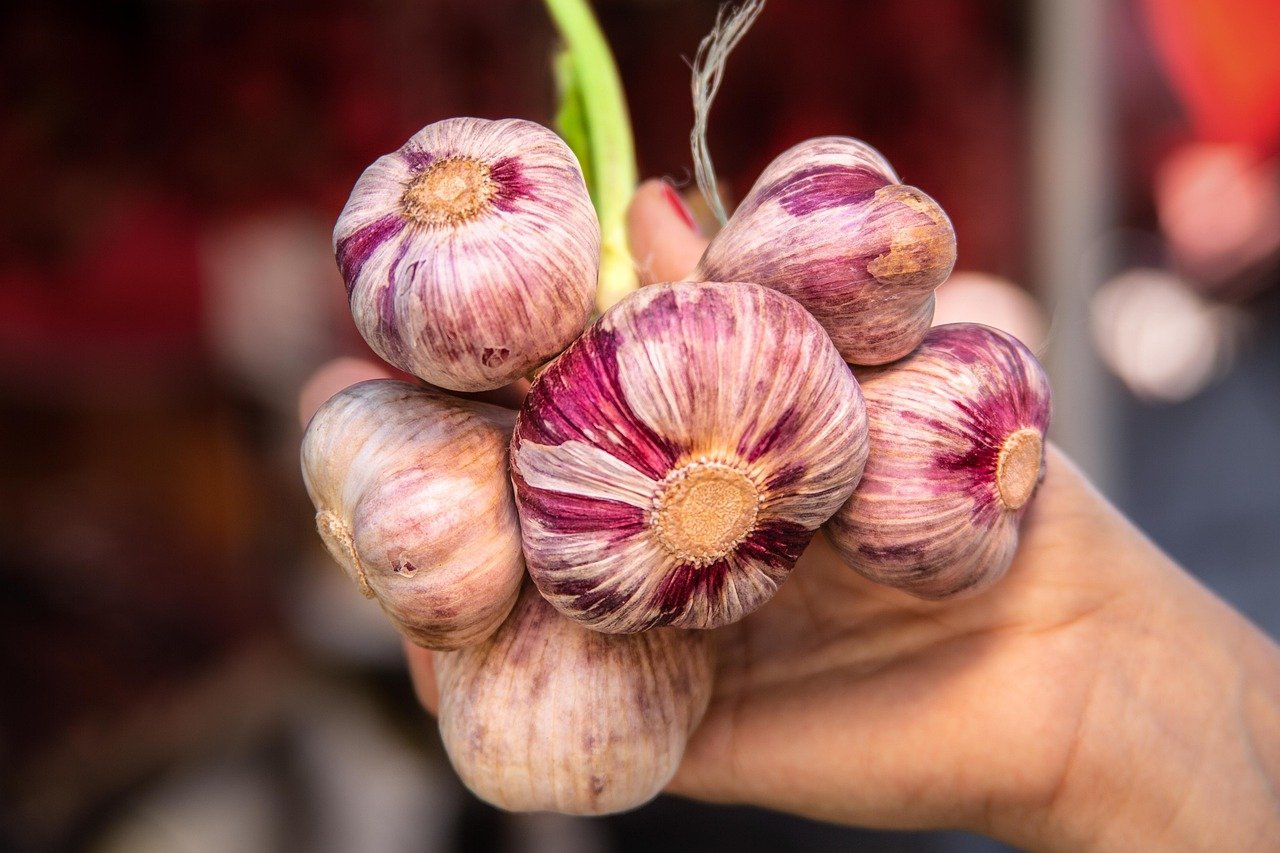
372	791
1158	336
274	292
209	809
976	297
547	832
330	615
1219	206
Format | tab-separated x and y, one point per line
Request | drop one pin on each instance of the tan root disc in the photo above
703	510
338	539
1018	467
449	192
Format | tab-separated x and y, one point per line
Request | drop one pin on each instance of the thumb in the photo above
665	242
332	378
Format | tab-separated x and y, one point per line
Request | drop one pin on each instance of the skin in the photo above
1097	697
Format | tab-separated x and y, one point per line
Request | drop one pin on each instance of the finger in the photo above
332	378
665	241
422	672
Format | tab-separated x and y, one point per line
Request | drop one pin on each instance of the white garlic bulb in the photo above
829	224
413	501
548	715
957	449
470	254
671	465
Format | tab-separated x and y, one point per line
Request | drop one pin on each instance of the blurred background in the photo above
185	669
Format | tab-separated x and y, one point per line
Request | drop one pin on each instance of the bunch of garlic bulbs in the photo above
671	461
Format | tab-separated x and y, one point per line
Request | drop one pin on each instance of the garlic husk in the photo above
957	450
671	466
413	500
549	716
829	224
470	254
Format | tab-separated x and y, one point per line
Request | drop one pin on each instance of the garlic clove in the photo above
470	254
829	224
957	449
548	715
413	501
672	464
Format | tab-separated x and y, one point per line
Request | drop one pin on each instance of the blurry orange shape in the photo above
1219	207
1223	59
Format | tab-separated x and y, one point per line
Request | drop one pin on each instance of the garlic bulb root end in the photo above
704	510
449	192
1019	467
338	539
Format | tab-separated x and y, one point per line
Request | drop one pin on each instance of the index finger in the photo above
665	242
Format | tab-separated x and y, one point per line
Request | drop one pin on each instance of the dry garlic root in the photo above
548	715
412	499
957	450
829	224
671	466
470	254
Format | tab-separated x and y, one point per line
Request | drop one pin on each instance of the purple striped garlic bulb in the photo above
672	464
413	501
470	254
549	715
957	450
829	224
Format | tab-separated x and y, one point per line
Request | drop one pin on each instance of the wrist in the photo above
1179	738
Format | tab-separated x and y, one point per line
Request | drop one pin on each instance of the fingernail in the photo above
681	209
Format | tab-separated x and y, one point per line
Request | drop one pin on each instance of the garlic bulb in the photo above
470	254
957	449
672	464
548	715
829	224
412	499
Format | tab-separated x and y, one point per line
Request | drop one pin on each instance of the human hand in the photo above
1095	696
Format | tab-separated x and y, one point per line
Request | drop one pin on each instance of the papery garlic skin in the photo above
671	466
957	450
470	254
413	501
548	715
829	224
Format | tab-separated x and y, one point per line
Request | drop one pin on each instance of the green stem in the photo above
594	98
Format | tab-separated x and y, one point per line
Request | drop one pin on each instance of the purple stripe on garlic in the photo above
413	501
470	254
823	188
957	447
673	463
829	224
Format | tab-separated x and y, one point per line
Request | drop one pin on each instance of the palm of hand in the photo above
848	701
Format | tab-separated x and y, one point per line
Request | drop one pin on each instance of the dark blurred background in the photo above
184	669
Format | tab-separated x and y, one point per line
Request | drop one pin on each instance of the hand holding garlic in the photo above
848	701
669	466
